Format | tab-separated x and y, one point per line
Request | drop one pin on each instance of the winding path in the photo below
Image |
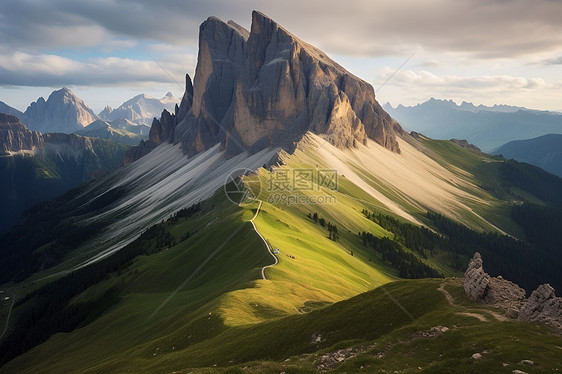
479	316
265	241
8	318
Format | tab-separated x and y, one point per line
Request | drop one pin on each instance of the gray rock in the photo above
476	356
465	144
476	280
266	88
527	362
478	285
543	305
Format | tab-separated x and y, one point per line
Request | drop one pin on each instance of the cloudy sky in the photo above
106	51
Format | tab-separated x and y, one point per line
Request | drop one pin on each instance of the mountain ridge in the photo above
486	127
544	151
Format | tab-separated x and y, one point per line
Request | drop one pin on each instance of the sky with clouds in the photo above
486	52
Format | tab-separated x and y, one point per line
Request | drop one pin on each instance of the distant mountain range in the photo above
544	151
64	112
486	127
141	109
36	167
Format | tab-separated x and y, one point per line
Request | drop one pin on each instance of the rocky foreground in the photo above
542	305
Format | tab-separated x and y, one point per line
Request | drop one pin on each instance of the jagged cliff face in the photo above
62	112
266	88
15	137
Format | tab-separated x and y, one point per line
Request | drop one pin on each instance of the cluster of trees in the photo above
545	186
185	213
419	239
408	265
46	226
524	263
48	310
542	225
332	229
528	263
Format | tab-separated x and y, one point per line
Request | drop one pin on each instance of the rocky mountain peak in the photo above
267	88
62	112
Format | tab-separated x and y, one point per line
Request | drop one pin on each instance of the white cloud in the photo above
23	69
426	79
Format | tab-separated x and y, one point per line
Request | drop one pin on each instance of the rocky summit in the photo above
62	112
266	88
542	305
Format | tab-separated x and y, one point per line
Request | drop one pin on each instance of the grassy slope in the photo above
227	313
483	171
373	325
383	336
227	286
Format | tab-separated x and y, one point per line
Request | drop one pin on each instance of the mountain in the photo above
15	137
36	167
269	224
267	88
6	109
63	112
486	127
141	109
120	131
544	151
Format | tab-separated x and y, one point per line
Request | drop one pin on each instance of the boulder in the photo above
479	285
543	305
476	280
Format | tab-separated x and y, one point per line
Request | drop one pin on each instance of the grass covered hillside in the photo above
201	291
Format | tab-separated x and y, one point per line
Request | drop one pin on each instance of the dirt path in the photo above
475	315
265	241
448	296
472	313
8	318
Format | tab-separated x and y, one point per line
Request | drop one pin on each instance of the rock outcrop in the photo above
266	88
479	285
476	280
62	112
162	130
542	305
15	137
465	144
